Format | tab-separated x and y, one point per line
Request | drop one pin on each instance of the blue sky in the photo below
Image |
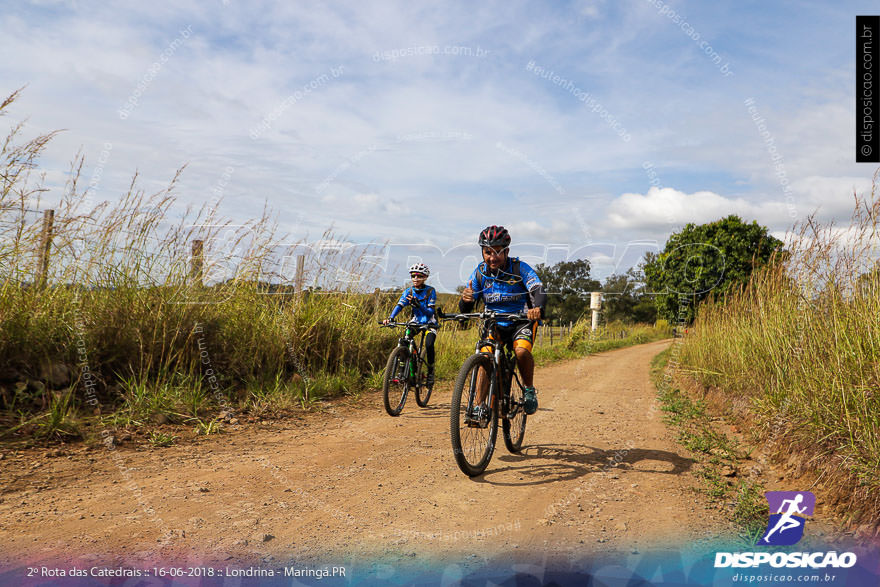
421	123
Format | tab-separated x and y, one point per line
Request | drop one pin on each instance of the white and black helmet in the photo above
420	268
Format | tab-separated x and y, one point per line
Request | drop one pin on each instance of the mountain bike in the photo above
494	364
403	371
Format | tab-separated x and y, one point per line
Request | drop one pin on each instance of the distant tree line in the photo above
696	262
569	285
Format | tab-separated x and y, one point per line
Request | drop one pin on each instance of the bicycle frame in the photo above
405	368
486	375
504	368
408	341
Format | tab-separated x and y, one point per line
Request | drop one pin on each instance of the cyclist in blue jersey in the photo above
506	284
423	299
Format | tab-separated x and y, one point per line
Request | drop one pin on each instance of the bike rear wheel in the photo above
423	392
472	446
514	425
396	384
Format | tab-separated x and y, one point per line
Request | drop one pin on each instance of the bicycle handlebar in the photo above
407	324
489	314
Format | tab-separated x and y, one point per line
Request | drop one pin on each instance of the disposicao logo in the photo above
788	513
786	525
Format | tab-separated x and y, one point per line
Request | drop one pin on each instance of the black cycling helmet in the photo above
494	236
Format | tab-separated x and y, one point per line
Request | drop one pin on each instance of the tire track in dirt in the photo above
599	471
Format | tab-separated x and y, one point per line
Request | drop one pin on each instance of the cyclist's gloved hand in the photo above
534	313
386	321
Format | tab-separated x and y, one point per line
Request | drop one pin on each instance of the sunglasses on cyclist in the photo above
493	253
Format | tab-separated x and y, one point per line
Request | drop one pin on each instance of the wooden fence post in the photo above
45	246
375	302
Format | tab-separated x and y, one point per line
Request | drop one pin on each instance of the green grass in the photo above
207	428
182	390
148	335
161	439
713	451
454	346
750	511
124	310
60	420
797	352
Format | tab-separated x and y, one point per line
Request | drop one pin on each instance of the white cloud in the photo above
669	208
829	197
367	135
366	199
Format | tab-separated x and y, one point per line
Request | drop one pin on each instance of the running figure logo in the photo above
788	512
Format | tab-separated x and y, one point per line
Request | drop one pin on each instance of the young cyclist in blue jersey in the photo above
506	284
422	298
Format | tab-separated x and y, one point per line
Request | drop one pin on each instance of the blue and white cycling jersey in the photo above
423	306
508	291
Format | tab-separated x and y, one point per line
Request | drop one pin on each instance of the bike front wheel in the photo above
423	392
472	442
396	384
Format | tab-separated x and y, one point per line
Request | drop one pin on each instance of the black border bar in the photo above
867	89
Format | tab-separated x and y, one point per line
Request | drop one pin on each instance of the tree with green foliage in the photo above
624	299
568	285
703	260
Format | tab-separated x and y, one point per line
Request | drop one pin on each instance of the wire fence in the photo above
64	237
72	249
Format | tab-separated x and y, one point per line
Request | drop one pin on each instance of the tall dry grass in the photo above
123	321
123	328
797	351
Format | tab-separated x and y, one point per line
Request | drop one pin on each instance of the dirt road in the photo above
600	471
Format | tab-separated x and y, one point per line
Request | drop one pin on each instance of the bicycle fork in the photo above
490	396
413	365
405	370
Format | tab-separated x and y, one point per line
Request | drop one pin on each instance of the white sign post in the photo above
595	306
